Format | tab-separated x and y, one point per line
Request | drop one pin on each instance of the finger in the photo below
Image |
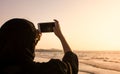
56	21
40	34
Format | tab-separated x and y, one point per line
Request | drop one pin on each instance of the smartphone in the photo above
46	27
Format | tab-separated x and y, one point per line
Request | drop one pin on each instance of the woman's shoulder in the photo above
54	66
69	65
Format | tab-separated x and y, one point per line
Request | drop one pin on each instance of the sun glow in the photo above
86	24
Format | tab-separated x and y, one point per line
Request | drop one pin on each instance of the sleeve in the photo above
71	61
69	65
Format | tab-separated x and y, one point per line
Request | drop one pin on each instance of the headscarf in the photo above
17	41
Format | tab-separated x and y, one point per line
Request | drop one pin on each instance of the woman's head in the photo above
18	36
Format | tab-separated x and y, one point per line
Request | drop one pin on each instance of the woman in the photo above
18	38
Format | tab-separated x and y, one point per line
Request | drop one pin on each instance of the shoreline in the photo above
90	62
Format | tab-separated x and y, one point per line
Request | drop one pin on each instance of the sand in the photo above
88	67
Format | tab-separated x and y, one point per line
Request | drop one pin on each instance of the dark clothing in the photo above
17	43
69	65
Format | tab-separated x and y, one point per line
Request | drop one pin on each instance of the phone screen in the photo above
46	27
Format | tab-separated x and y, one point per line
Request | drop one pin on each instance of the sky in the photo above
85	24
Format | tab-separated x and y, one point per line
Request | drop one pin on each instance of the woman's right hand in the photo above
57	29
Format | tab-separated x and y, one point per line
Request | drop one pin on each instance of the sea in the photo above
90	62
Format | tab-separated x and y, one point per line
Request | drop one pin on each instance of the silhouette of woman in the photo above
18	38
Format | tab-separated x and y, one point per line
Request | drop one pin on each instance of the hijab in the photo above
17	41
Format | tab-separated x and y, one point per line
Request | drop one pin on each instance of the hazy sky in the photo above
86	24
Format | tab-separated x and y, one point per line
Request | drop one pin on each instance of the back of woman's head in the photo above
17	39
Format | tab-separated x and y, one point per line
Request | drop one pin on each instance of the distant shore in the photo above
48	50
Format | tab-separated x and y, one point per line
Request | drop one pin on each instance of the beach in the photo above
90	62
